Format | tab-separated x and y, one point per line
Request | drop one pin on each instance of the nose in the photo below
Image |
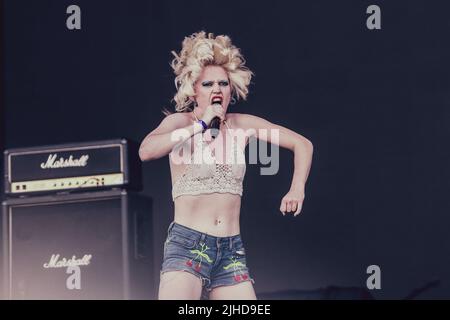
216	87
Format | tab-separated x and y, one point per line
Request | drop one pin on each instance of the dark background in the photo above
374	104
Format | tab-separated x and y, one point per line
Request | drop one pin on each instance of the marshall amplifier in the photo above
71	167
93	245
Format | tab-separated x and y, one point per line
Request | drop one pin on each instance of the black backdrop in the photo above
374	104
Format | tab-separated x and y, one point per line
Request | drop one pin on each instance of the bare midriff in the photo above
216	214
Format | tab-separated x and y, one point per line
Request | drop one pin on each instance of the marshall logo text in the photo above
53	163
56	262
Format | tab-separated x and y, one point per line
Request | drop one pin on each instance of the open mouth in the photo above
217	99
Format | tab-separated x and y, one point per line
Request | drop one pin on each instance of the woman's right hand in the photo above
212	111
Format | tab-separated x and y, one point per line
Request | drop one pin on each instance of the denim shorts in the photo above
217	261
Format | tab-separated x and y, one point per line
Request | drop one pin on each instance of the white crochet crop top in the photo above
208	176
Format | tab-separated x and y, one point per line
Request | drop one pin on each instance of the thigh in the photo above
240	291
179	285
183	275
231	278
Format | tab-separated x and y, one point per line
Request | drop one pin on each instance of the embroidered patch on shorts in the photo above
238	274
199	255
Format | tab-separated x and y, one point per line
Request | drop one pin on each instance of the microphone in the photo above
215	124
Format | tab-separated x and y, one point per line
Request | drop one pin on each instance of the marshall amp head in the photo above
71	167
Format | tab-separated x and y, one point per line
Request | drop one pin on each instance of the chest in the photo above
226	148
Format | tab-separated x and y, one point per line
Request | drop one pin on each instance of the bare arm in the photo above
303	151
171	131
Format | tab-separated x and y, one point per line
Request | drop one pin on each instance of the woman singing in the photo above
204	252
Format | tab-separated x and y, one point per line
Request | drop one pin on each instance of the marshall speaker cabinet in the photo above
72	167
90	245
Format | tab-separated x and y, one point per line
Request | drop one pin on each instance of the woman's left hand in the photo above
292	202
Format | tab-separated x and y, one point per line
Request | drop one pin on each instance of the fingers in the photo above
218	111
291	205
299	208
283	207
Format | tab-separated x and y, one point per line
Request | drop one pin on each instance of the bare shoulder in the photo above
239	120
246	121
172	122
178	118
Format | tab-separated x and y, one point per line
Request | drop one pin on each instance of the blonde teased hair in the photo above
200	50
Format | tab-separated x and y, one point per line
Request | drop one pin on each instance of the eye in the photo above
207	83
223	83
